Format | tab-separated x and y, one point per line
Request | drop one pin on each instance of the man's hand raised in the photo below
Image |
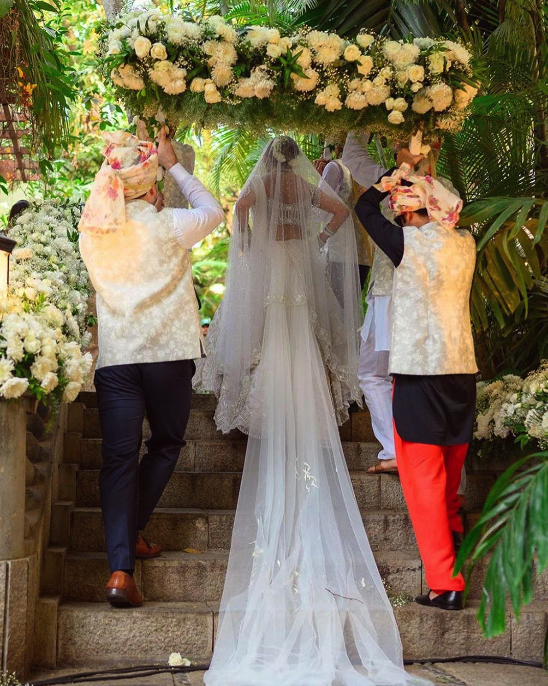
166	154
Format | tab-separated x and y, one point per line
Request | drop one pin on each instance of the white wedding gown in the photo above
303	603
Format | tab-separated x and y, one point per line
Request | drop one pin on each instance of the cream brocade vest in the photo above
431	329
146	305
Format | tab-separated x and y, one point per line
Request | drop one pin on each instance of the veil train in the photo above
303	602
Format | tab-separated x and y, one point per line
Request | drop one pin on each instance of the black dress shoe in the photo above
457	541
450	600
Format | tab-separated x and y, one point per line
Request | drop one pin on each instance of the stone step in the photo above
213	455
201	426
219	490
177	529
94	634
199	577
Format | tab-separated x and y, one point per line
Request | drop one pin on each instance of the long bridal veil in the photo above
303	602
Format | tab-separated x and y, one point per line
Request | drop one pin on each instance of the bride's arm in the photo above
333	206
242	207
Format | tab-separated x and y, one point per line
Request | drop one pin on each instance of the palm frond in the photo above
512	531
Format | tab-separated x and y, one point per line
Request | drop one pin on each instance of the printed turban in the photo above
442	205
129	171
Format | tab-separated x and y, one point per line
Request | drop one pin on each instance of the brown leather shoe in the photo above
146	550
122	591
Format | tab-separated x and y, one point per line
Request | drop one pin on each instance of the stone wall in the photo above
20	578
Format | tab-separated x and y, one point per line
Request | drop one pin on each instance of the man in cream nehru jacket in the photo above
431	358
137	255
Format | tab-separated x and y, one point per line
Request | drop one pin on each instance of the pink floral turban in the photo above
129	171
442	205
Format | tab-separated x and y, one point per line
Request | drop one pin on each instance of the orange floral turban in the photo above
129	171
442	205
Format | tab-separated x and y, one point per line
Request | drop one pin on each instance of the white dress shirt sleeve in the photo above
192	225
333	176
355	156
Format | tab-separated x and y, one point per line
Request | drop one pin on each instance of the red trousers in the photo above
430	477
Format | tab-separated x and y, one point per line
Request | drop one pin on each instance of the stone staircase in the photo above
193	524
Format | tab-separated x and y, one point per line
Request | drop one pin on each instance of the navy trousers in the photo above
130	490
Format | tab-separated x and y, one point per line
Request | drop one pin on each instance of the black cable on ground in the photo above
151	670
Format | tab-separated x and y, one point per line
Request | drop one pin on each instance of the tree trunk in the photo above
462	16
112	8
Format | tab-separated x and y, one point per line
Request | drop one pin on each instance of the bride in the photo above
303	602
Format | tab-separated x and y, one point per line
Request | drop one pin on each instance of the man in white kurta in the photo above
375	381
137	255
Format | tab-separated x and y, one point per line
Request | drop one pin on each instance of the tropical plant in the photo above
34	73
511	534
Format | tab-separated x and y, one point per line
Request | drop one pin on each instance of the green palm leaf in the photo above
512	530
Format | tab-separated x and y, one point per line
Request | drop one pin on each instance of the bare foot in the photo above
384	466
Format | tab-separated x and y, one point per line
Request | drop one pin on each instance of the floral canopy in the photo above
215	72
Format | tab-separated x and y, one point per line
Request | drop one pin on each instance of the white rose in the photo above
416	87
158	51
389	103
14	388
71	392
6	368
32	344
30	293
436	63
402	78
273	36
365	65
396	117
49	382
352	53
400	104
176	660
365	39
142	47
415	73
386	72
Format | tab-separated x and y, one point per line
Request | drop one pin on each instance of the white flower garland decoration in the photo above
159	55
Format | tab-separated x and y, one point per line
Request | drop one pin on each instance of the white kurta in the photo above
146	304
